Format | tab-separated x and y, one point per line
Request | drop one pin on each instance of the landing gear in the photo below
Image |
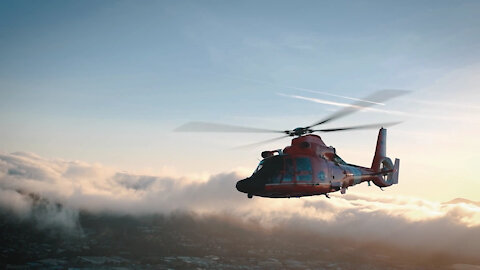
249	195
326	195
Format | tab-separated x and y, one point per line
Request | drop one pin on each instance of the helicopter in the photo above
309	167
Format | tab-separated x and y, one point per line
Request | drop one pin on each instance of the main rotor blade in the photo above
214	127
260	143
376	97
358	127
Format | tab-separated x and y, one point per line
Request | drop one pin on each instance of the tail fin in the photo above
380	150
383	163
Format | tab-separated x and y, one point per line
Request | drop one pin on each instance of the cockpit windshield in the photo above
284	169
269	166
259	167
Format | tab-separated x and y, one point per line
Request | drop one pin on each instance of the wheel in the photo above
250	196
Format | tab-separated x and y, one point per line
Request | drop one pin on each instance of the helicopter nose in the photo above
242	185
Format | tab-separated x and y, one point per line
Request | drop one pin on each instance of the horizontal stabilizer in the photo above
396	170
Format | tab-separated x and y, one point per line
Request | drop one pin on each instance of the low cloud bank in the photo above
52	192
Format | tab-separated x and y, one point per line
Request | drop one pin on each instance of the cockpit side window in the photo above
289	170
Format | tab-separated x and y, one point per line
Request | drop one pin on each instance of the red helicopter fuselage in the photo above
308	167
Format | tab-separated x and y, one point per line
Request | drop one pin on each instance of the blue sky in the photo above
108	81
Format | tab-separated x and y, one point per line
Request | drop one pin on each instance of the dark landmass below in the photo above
190	241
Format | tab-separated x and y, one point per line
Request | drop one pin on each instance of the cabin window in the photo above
304	169
289	170
304	177
321	175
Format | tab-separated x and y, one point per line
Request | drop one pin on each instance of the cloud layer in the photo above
53	191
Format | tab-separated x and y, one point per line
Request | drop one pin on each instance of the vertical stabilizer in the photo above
380	150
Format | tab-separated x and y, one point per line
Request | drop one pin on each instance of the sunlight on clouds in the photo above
62	189
106	188
409	209
466	213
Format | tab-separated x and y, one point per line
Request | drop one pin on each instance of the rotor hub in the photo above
299	131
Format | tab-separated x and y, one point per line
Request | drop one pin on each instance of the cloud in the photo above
97	188
52	192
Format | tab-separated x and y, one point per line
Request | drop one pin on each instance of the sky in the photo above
106	82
